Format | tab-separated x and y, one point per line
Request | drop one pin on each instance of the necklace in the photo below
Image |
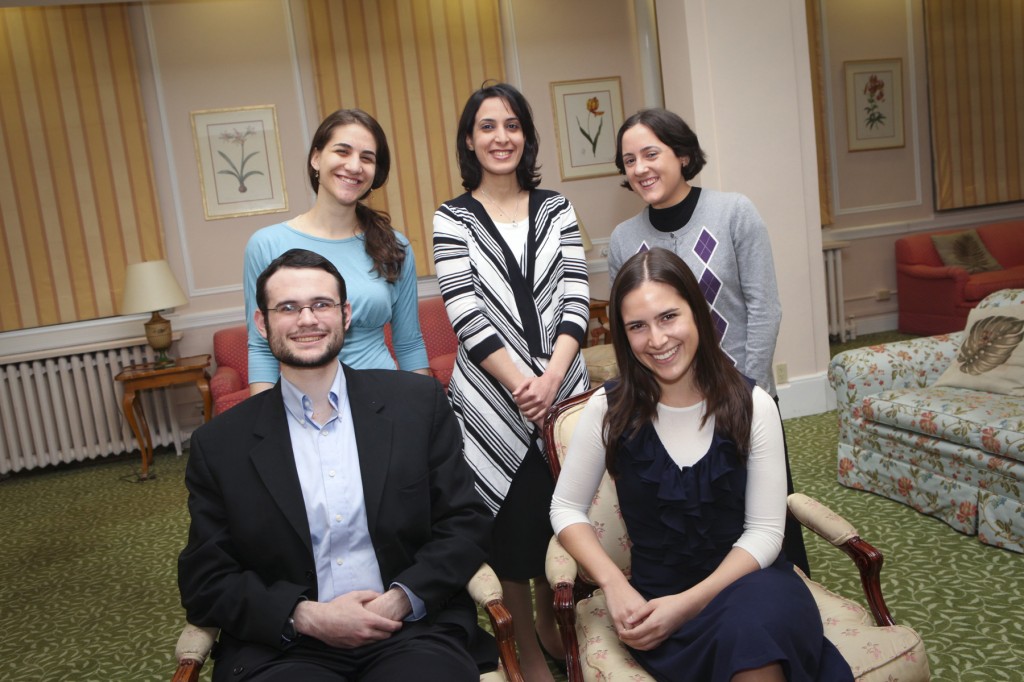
515	211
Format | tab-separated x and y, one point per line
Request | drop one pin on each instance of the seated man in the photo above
334	522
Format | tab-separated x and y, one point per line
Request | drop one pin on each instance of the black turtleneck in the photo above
674	217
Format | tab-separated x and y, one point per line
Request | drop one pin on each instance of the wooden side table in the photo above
142	377
599	312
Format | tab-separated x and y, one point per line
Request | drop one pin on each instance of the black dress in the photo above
682	523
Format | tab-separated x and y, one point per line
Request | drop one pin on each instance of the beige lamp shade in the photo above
150	286
584	237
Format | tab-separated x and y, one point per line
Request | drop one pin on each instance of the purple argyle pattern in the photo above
710	284
705	246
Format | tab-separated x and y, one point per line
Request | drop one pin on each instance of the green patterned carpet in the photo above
88	591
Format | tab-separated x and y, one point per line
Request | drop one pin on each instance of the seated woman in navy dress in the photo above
696	451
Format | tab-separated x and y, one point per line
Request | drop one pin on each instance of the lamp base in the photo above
158	334
162	360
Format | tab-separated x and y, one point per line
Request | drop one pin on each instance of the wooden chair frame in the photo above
195	643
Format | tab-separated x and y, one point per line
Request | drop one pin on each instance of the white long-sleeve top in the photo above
686	442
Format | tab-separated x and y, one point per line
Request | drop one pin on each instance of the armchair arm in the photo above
225	380
933	272
560	569
841	534
194	645
485	589
855	374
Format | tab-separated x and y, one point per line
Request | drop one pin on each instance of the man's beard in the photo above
284	355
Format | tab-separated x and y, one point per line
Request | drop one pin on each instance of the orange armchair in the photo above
438	337
230	383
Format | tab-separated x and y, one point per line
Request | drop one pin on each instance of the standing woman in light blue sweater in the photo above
348	158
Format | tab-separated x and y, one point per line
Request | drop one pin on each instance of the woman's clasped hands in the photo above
643	624
535	395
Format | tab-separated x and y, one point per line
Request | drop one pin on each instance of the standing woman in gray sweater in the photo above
719	235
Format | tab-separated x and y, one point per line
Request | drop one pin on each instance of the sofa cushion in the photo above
989	422
991	355
965	250
982	284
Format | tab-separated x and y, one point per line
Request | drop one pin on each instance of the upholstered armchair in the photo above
438	337
195	643
875	647
230	383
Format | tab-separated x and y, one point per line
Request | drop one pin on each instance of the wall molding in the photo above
175	214
910	95
965	218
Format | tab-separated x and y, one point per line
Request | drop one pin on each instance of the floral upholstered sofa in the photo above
953	453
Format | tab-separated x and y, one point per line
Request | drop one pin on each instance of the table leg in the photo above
204	388
132	407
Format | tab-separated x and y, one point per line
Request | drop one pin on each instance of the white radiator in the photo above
64	406
839	328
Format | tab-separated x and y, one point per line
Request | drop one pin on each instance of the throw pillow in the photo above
965	250
601	364
991	357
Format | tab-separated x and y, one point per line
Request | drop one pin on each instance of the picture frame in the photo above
874	104
588	114
238	152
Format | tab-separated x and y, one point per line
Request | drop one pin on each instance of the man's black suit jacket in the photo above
249	557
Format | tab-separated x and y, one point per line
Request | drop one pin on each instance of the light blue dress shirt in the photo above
327	461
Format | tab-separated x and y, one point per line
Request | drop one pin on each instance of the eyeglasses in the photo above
318	308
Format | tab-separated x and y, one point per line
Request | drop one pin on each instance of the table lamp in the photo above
150	286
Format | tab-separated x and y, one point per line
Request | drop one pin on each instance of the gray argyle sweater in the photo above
726	246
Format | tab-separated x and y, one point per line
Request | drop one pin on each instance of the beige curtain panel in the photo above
77	196
976	94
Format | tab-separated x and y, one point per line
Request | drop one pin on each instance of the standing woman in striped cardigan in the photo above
513	274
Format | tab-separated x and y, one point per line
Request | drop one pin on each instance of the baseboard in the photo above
873	324
807	395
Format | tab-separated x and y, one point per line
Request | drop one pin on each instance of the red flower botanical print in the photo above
927	423
845	466
875	91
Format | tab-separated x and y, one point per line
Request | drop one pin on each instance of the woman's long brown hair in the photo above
382	245
633	400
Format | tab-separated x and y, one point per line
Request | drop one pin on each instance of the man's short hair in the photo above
297	258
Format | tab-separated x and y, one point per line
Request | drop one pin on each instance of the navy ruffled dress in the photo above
682	523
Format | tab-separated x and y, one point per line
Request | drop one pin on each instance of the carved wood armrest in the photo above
485	589
840	533
194	645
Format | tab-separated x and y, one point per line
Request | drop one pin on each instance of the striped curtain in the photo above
77	195
976	92
814	41
411	64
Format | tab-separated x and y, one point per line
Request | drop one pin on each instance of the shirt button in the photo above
331	473
341	561
338	518
323	434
